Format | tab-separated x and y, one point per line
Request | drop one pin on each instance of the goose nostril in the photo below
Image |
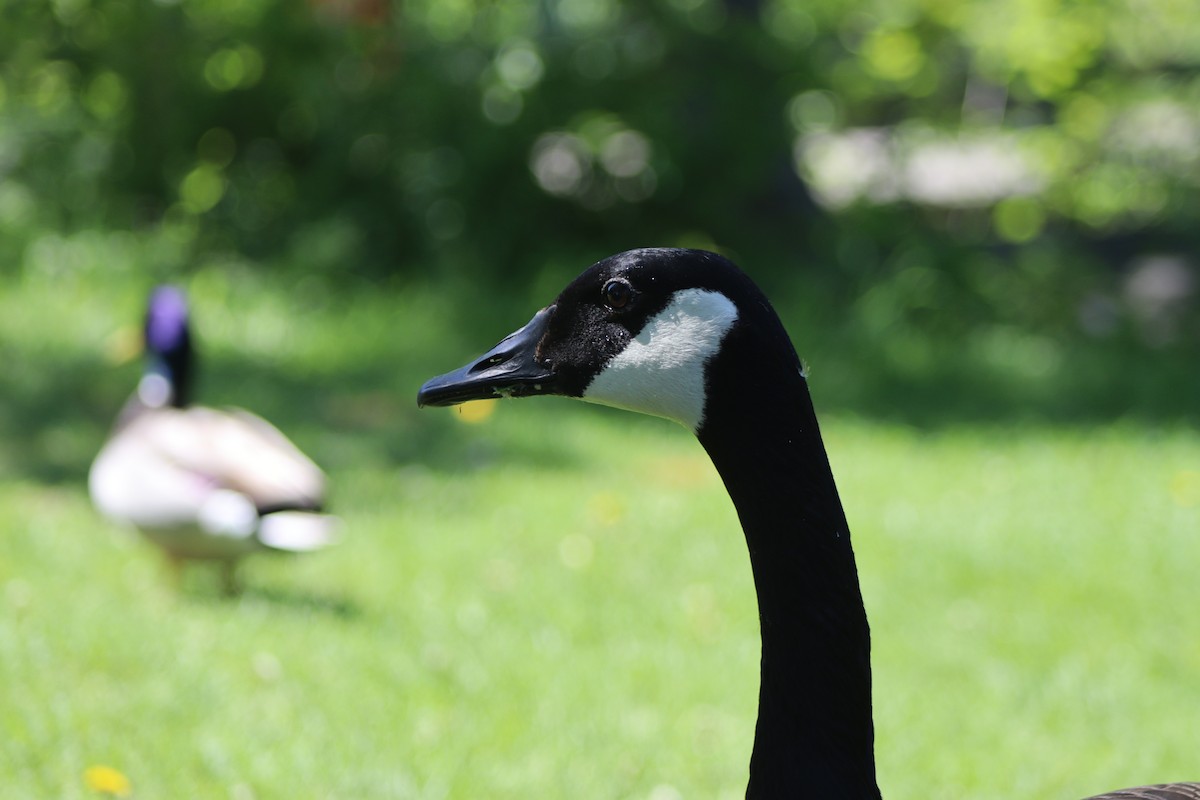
489	362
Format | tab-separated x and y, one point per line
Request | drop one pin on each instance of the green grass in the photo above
557	602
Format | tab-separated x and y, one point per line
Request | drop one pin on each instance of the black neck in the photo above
815	736
176	367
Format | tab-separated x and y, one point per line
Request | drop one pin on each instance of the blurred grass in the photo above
556	602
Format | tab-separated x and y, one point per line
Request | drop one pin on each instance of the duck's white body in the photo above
194	481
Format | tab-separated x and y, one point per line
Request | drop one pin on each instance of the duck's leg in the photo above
175	565
231	586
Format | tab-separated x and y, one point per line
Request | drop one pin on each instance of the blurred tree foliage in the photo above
928	163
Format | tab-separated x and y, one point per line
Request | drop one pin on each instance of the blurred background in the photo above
990	204
978	219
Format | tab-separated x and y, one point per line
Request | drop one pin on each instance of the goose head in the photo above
167	380
646	330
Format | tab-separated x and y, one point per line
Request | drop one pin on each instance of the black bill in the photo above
509	369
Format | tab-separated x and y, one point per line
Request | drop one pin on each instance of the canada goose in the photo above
684	334
202	483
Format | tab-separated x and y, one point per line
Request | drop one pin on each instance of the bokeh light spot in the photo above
106	96
202	188
519	66
233	68
1018	219
576	551
560	162
501	105
894	55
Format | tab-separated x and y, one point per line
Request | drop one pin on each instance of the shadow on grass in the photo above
201	583
299	600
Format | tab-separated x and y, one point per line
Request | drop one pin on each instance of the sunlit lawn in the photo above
555	601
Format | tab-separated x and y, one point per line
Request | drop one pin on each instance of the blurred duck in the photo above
202	483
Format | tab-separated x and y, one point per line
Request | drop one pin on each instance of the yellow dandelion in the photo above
576	551
606	508
106	780
474	412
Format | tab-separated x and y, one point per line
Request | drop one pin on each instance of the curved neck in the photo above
815	736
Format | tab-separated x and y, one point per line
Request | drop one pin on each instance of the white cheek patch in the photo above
661	372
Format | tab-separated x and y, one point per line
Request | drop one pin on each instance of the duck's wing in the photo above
253	457
161	468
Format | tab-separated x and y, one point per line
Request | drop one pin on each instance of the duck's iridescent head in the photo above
168	376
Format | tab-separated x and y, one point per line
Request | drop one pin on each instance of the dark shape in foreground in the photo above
685	335
201	483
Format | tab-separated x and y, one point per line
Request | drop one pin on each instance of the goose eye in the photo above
617	294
